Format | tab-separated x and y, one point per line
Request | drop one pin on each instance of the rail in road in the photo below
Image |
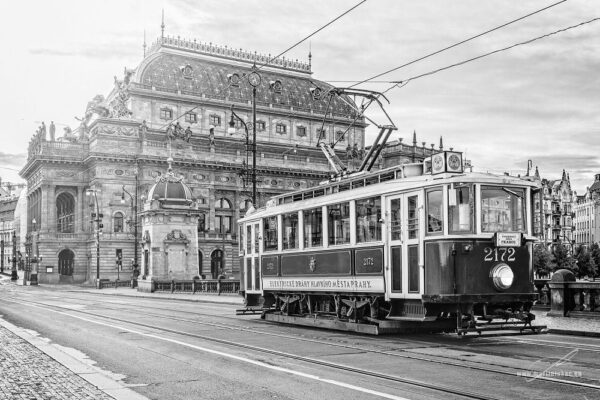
450	361
202	318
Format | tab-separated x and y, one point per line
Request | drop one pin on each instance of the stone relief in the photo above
115	130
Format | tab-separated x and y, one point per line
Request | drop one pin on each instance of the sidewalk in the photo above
568	325
33	368
233	299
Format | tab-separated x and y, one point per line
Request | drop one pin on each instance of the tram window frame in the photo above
365	218
454	208
343	218
512	192
270	233
429	207
294	235
313	218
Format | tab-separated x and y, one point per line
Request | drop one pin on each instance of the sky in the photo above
539	101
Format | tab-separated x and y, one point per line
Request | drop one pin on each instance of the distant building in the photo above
587	215
9	196
557	211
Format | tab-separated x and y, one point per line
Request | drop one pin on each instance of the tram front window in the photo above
368	220
460	209
502	209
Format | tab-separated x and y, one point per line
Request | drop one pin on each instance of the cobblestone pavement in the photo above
28	373
566	324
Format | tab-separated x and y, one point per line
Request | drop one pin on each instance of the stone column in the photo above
50	209
79	210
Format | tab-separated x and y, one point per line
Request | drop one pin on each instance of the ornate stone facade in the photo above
122	141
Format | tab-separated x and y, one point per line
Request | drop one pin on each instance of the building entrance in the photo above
216	263
65	262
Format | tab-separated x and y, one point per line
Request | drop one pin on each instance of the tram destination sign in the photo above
347	284
508	239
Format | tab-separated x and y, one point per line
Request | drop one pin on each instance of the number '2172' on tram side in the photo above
416	242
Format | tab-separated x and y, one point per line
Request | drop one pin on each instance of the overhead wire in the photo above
314	33
458	43
406	81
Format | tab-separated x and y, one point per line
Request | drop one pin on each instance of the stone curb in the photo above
149	296
573	332
90	373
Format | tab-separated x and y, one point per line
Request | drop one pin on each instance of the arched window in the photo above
118	222
223	203
65	213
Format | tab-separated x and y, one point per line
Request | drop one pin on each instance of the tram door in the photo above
405	275
252	258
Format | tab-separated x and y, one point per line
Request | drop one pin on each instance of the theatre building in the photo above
177	103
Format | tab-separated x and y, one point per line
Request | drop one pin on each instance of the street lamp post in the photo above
13	272
254	79
97	217
35	258
134	206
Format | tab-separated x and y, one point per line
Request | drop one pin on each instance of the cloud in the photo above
12	160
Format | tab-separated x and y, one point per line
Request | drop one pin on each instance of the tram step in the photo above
505	327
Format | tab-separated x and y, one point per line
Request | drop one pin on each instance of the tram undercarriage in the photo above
371	314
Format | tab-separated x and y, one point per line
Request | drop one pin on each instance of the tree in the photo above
585	263
541	260
595	252
562	258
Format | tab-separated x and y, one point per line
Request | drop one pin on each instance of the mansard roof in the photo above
196	69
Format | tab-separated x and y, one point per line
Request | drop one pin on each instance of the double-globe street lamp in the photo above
97	218
254	80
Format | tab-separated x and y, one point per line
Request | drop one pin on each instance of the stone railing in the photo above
573	298
105	283
63	150
215	286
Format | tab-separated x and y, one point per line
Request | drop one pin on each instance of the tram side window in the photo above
460	209
368	220
270	233
248	239
313	227
435	219
502	209
290	231
338	223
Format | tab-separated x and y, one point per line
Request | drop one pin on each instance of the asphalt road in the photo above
167	349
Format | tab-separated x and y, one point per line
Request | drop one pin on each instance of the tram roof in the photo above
362	185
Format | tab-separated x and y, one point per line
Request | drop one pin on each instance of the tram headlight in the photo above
502	276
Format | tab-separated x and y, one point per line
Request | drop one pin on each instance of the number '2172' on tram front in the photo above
409	245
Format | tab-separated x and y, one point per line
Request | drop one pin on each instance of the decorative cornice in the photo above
227	53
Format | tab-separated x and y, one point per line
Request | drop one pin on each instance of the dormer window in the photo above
281	129
276	86
191	117
215	120
166	113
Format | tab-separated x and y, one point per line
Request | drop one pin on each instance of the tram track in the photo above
342	367
461	392
439	359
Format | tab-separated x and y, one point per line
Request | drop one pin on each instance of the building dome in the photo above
170	188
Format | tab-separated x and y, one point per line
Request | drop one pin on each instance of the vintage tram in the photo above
416	246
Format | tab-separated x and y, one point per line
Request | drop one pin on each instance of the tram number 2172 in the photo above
499	254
